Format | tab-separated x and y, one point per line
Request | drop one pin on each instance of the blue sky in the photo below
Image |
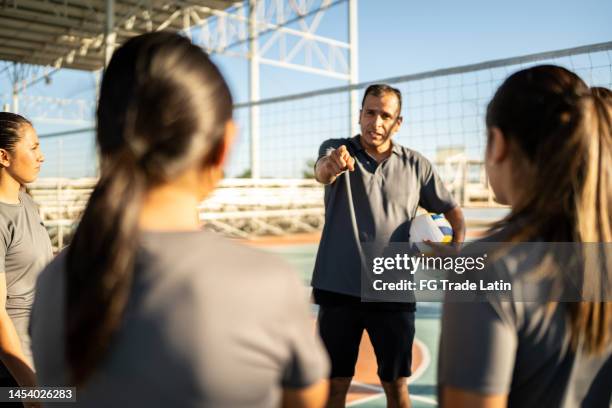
399	37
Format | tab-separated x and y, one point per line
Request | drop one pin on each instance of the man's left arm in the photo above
455	218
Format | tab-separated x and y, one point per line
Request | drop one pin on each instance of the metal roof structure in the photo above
37	36
71	33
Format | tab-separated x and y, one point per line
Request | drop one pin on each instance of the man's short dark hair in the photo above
379	90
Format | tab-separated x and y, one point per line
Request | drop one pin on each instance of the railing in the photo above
238	207
245	207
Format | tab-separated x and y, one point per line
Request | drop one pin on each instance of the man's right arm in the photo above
329	167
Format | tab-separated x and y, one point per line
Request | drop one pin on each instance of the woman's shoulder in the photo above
211	252
26	198
191	251
208	269
28	202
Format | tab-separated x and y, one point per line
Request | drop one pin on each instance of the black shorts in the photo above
391	333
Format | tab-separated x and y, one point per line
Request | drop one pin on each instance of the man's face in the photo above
379	120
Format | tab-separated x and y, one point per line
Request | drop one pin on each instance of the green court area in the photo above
423	385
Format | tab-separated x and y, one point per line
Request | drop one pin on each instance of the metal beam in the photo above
25	45
353	66
62	10
254	89
223	32
68	34
19	55
27	16
109	32
303	68
80	111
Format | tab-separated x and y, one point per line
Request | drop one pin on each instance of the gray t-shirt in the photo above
518	348
386	197
24	251
209	323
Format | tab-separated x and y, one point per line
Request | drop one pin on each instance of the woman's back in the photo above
208	323
521	347
548	157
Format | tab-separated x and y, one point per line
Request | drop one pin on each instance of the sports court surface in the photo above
366	391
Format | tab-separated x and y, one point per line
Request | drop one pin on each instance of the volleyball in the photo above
430	227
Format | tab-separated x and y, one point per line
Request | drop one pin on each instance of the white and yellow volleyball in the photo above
430	227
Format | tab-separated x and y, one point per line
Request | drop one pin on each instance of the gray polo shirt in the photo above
25	249
209	323
517	347
386	197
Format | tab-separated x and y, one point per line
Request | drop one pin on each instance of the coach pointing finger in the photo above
387	183
330	167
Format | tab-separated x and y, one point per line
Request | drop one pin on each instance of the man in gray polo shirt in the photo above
389	182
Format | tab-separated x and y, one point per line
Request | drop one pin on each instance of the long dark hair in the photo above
560	139
163	108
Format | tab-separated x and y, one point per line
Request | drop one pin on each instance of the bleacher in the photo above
238	207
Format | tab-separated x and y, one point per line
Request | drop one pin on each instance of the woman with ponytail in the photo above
25	246
144	308
549	157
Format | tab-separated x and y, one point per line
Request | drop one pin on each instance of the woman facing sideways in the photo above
144	308
25	246
548	156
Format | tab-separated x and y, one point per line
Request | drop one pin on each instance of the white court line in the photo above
418	373
368	386
426	400
364	400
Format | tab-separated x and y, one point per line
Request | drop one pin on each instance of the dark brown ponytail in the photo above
163	108
561	142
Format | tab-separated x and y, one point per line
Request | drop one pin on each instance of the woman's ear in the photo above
212	169
498	146
5	158
222	151
228	140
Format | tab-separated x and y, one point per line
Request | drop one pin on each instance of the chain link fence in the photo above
443	114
